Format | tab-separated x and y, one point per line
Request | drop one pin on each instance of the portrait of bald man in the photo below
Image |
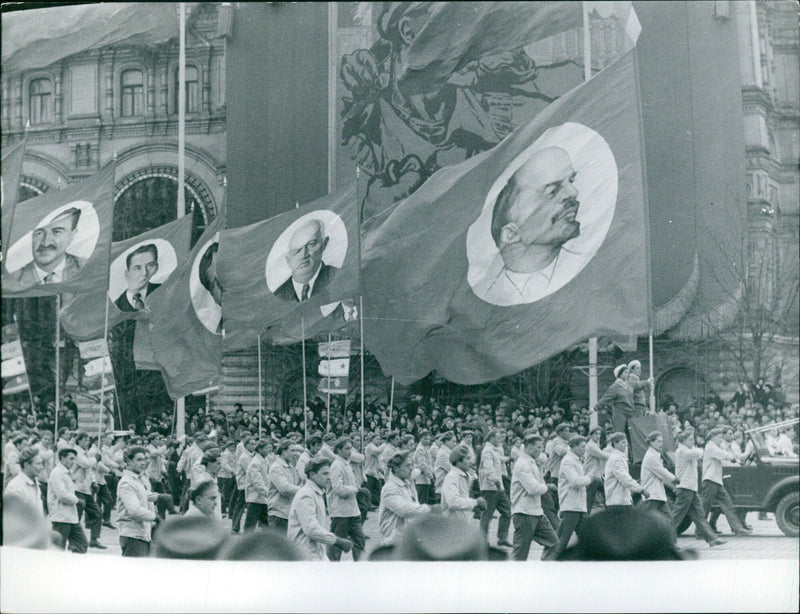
310	275
140	266
51	263
533	217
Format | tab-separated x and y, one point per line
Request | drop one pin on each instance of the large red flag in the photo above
291	269
497	263
60	241
186	319
139	266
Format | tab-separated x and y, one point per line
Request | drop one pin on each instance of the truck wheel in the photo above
787	514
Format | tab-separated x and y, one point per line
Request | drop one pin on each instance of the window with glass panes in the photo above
192	90
40	101
131	93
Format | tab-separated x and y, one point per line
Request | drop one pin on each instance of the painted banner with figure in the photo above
60	241
138	267
186	320
15	376
525	249
292	271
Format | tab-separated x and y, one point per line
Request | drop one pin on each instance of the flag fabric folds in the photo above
11	168
15	376
138	266
186	320
298	265
497	263
60	241
37	38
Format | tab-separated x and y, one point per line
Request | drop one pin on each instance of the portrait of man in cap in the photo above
49	243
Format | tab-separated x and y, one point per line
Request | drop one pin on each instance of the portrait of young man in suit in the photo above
310	275
140	266
49	242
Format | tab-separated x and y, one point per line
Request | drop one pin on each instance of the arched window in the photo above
40	101
131	93
192	90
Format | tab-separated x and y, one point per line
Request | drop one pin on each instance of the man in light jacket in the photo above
490	479
655	476
714	491
283	485
527	488
135	509
24	484
62	502
456	501
594	461
240	475
442	465
344	511
309	522
572	483
83	475
256	488
424	462
399	502
618	481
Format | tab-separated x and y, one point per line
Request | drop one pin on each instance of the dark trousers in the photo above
424	492
73	536
106	502
43	492
714	493
257	514
363	499
660	507
374	486
111	481
570	521
281	525
349	528
591	494
528	528
238	510
549	508
496	500
93	515
227	486
134	547
688	503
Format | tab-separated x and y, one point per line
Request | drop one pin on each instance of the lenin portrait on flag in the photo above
57	248
307	256
544	218
138	271
205	288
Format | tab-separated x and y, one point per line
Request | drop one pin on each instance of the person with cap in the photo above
399	503
136	512
25	484
344	511
714	491
313	444
572	483
202	500
490	478
424	462
257	488
456	501
618	482
655	476
62	502
309	522
619	398
527	488
687	501
640	401
282	486
83	475
594	464
240	475
441	464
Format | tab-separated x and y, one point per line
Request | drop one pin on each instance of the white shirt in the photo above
58	272
298	288
131	295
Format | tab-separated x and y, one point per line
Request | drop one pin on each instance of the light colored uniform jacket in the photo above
398	504
424	462
61	499
442	466
136	513
342	494
455	495
490	473
283	485
618	481
527	487
256	485
654	475
309	524
572	483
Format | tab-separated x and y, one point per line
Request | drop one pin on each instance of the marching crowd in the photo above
541	472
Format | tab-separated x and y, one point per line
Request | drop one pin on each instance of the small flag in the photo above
339	367
335	349
333	385
15	377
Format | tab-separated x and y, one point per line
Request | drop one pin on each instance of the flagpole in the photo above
260	394
30	393
103	376
58	364
180	403
328	421
305	392
391	404
361	324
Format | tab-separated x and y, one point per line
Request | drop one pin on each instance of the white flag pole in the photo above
260	395
305	391
361	324
58	366
328	420
180	404
391	404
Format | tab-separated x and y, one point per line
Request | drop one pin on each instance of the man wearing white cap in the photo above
619	398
